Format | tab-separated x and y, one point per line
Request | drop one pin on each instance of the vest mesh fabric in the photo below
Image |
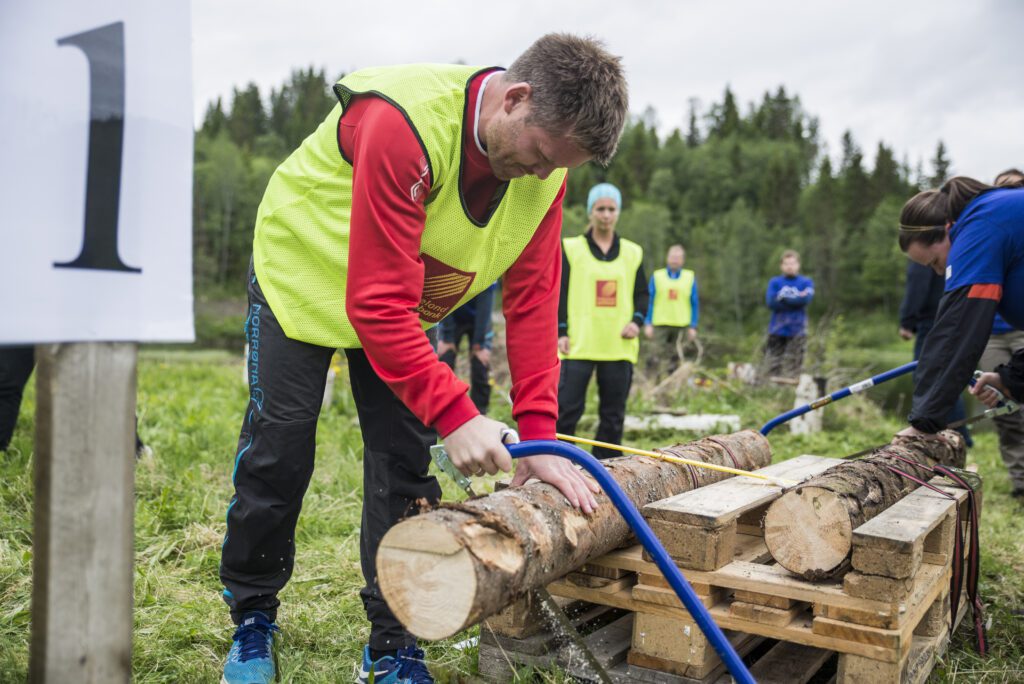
302	226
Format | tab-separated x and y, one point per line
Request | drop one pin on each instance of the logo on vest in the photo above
443	287
673	295
607	293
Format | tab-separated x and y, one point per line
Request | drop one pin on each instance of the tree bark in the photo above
450	568
809	529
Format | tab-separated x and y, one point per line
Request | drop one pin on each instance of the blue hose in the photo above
836	396
643	532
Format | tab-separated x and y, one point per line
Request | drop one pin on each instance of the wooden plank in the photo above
609	645
788	663
592	616
867	586
601	571
700	588
799	631
936	619
600	583
667	597
722	502
904	525
763	599
780	617
892	544
912	611
676	646
698	548
848	631
84	513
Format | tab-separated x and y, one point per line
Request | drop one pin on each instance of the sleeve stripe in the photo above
987	291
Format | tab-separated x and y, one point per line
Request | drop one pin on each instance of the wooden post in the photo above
84	513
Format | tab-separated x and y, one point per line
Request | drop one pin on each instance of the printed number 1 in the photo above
104	49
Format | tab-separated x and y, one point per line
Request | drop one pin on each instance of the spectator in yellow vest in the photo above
673	312
600	311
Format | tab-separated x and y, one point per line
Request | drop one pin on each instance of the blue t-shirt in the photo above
788	298
988	248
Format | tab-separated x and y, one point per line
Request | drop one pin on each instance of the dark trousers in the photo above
613	381
274	464
479	373
664	355
784	356
16	364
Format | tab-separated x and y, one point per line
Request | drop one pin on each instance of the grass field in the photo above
190	408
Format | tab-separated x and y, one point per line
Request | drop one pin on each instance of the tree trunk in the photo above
448	569
809	529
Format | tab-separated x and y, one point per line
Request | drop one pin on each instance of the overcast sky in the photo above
906	72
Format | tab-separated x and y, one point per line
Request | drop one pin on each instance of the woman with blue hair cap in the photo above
603	301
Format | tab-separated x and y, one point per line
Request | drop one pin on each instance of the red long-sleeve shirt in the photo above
389	185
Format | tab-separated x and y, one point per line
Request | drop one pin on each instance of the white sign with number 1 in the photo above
96	175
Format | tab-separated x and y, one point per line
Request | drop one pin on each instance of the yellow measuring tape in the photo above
682	461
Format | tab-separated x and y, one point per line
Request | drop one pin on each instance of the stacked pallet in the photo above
886	621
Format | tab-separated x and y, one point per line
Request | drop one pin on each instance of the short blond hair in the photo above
578	89
790	254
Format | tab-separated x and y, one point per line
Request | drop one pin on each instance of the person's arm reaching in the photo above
951	353
386	226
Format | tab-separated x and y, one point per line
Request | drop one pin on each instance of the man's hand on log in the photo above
556	471
475	447
983	389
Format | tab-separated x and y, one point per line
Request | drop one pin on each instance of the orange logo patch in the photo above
443	287
607	293
673	295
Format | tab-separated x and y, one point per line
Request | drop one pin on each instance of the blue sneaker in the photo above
407	667
252	658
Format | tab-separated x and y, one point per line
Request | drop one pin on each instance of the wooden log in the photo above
809	529
452	567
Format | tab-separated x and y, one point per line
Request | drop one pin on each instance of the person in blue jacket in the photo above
787	296
471	320
973	233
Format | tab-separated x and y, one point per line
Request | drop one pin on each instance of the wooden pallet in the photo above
888	619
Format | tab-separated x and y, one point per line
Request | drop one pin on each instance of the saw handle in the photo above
646	536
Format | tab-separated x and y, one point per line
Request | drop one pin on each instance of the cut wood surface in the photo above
448	569
809	529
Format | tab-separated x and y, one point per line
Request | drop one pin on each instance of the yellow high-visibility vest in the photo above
600	301
672	305
300	250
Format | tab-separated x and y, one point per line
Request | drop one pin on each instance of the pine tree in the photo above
940	166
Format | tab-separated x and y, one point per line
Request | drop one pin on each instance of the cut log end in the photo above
428	577
825	532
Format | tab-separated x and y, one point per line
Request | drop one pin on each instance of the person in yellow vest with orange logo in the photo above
602	306
674	310
424	185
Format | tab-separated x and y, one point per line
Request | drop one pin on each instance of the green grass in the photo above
190	406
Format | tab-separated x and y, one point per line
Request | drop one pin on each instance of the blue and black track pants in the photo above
274	464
